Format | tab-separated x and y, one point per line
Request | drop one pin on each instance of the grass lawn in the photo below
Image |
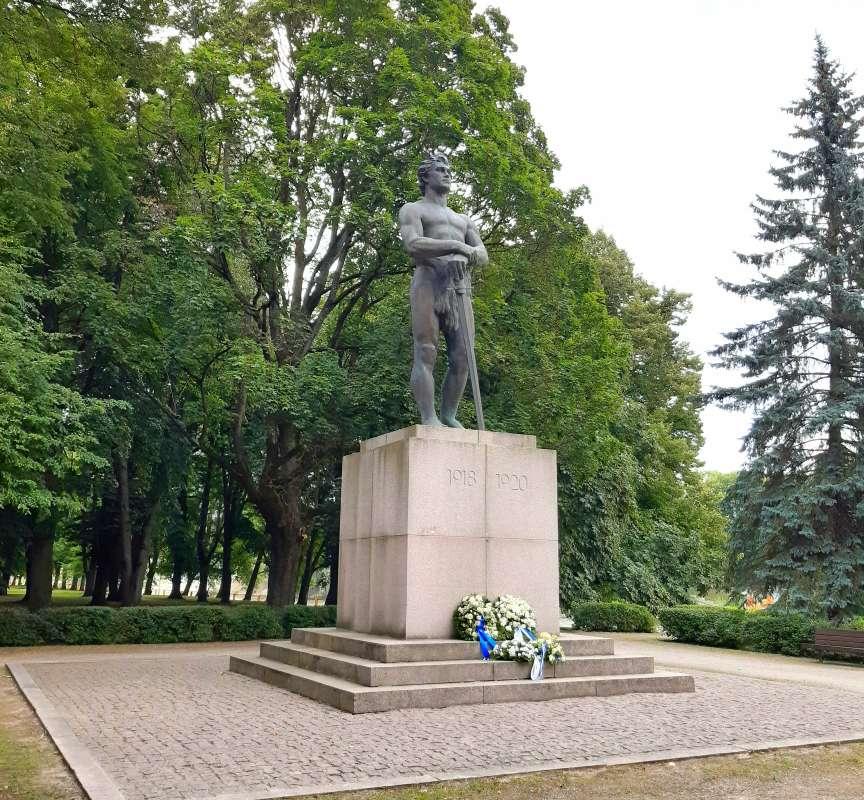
818	773
30	767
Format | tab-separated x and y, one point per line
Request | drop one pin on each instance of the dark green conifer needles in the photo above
798	506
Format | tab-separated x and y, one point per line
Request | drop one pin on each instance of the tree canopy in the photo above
204	296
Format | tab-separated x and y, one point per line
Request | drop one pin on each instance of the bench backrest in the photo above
837	638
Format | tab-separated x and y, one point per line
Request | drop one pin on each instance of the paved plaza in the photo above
175	723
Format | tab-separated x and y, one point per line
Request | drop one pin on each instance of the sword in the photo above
463	296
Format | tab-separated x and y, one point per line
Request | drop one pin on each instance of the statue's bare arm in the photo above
420	246
481	257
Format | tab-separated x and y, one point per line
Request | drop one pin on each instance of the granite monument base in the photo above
431	514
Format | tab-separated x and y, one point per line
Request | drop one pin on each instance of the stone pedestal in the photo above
431	514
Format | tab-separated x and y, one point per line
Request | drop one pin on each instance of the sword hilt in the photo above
462	285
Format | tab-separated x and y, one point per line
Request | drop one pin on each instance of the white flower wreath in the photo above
512	613
468	613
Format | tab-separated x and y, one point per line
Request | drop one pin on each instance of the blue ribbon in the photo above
537	666
487	643
526	632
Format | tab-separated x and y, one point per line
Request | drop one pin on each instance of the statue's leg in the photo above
424	325
456	377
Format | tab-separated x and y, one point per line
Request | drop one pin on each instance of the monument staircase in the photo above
361	672
429	515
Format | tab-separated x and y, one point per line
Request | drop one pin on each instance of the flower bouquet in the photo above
554	650
510	619
468	613
512	613
521	648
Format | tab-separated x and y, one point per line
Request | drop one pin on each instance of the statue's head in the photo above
434	171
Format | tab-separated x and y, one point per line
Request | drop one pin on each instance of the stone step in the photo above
388	650
375	673
356	699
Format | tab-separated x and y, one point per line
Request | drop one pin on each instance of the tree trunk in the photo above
90	576
276	497
40	557
126	587
175	544
201	535
176	580
28	577
233	501
333	589
283	529
113	572
74	586
99	594
56	583
227	544
253	578
8	547
193	576
141	548
310	563
151	572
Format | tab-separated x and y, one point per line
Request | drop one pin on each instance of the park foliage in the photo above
204	308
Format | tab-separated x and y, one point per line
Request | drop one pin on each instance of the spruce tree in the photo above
798	505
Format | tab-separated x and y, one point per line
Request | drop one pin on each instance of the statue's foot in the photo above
452	422
433	422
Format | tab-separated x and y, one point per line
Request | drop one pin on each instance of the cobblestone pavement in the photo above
185	727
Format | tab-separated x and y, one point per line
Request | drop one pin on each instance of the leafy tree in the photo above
46	433
288	134
68	160
640	526
798	505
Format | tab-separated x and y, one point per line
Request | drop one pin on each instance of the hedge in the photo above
156	625
612	616
763	631
307	617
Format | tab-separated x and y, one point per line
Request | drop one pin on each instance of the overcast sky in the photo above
669	111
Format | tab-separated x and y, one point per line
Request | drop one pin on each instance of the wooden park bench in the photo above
838	642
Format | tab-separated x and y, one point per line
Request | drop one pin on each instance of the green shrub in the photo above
771	632
764	631
156	624
259	622
18	628
708	625
612	616
308	617
80	625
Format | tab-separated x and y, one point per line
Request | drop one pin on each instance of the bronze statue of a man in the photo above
443	244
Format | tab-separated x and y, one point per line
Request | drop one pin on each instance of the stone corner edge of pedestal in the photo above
444	434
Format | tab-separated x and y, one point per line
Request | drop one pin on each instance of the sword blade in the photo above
468	341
